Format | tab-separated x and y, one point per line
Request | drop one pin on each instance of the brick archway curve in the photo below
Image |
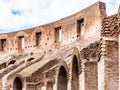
77	54
64	64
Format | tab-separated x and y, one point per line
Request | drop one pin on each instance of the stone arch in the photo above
29	59
17	84
63	63
76	54
62	76
75	74
75	69
11	62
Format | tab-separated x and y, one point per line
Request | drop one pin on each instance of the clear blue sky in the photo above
21	14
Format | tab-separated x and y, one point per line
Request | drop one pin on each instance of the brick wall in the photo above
92	24
111	66
91	76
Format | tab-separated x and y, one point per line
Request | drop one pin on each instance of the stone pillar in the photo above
24	84
55	84
44	85
82	76
4	83
43	88
111	65
69	84
101	68
108	68
91	75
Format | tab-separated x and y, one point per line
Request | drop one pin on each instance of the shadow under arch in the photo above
75	69
29	59
17	84
62	76
11	62
76	56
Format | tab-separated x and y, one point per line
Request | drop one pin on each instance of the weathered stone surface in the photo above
85	58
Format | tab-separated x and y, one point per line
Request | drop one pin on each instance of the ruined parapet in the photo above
92	52
110	26
110	65
109	54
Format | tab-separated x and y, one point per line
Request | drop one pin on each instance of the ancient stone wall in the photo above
91	76
108	67
110	26
75	65
44	37
111	66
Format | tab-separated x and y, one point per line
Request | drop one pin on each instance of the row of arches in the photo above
63	75
13	61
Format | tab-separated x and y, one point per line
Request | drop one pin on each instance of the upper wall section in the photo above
110	26
83	25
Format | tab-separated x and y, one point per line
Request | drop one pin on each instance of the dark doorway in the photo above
58	34
3	44
38	38
75	74
80	27
62	79
17	85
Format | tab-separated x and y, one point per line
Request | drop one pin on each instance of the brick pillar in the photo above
43	88
69	84
108	68
91	75
101	67
55	84
111	66
82	76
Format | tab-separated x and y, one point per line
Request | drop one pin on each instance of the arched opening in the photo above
11	62
30	59
17	85
62	79
75	74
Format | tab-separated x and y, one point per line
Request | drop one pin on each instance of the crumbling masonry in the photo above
79	52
